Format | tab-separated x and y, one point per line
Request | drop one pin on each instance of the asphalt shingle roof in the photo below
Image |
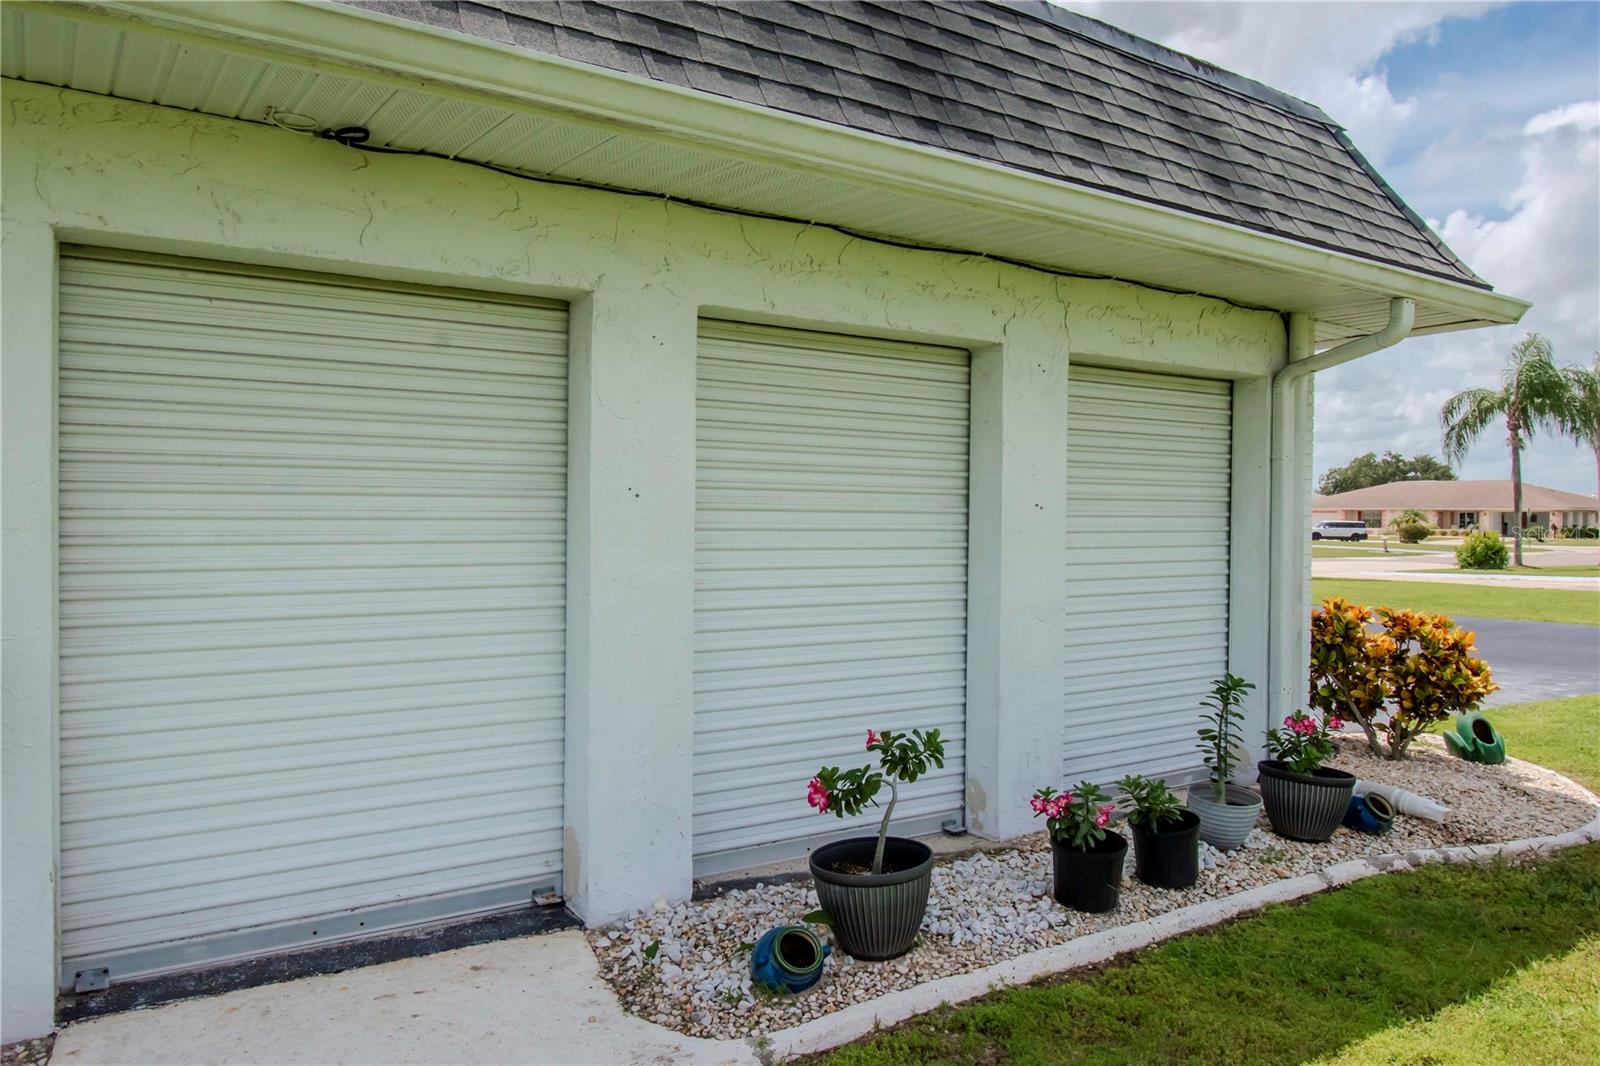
1454	496
1026	85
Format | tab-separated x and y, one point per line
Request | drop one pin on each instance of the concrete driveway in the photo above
1537	660
1374	564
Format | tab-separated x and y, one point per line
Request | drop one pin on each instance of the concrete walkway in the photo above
536	999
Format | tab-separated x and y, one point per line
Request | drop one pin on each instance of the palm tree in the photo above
1533	394
1582	421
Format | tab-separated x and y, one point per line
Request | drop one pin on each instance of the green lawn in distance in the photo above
1561	734
1579	606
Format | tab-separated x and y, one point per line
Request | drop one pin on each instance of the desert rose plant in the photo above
902	757
1079	817
1304	743
1398	683
1151	801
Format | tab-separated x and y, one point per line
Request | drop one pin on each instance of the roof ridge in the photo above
1131	44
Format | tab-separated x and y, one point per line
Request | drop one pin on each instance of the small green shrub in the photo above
1413	532
1483	550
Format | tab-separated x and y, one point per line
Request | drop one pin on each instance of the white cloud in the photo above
1510	160
1546	250
1325	53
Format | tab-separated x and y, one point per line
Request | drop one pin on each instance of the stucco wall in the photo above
82	168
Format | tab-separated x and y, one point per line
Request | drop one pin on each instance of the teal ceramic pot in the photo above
788	958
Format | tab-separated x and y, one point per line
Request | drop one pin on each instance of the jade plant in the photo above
1219	740
902	758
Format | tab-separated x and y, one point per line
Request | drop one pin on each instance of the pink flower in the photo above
1058	806
873	738
1335	722
817	795
1039	804
1289	721
1103	816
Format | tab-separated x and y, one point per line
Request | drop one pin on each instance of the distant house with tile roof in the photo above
1460	505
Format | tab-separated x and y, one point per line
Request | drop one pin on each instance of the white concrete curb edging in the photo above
861	1019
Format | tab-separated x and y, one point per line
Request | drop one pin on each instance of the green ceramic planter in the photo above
1476	740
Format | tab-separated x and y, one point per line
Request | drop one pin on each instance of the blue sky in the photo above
1486	119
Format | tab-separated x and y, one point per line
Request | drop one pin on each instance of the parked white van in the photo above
1339	531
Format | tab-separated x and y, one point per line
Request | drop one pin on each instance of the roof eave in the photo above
413	53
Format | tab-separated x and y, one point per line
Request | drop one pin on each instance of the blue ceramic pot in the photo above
788	958
1369	814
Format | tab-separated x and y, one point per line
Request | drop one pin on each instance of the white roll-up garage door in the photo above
312	552
1148	481
830	576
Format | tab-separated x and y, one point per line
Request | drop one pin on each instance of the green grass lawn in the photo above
1561	734
1581	606
1445	965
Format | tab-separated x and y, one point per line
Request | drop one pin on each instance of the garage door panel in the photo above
1148	502
831	544
312	605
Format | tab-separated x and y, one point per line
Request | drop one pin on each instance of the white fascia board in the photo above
412	54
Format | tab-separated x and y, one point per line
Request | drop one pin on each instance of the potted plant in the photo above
1227	812
1304	799
874	889
1166	837
1088	857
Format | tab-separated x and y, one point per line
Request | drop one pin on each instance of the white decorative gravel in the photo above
995	903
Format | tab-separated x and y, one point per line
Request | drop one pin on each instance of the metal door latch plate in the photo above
96	980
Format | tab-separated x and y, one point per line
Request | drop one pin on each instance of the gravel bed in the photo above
28	1052
996	903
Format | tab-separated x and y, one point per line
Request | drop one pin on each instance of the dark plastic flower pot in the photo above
1090	879
1306	807
874	916
1168	855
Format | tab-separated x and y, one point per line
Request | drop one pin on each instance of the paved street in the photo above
1538	660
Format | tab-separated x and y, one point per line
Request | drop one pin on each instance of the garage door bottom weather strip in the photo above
312	962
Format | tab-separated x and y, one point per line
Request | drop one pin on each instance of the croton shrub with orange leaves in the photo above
1416	672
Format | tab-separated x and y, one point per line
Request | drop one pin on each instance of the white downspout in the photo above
1288	597
1402	316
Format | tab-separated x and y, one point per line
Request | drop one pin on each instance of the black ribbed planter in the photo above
1090	879
874	916
1168	855
1305	807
